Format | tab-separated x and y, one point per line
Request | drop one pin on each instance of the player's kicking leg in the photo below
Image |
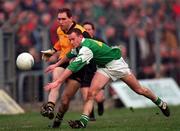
47	110
69	91
133	83
98	82
84	92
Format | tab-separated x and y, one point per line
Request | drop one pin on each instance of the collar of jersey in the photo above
72	26
83	39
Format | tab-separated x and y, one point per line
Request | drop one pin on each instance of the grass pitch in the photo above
124	119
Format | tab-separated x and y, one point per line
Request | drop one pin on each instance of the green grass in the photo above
149	119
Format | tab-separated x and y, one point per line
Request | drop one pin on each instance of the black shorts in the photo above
85	75
64	65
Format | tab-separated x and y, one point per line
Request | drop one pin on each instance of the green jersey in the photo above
92	49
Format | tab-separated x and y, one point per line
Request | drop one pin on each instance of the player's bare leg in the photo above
133	83
47	109
98	82
70	89
100	101
84	92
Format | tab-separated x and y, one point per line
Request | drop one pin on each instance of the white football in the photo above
25	61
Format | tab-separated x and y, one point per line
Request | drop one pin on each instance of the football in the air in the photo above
25	61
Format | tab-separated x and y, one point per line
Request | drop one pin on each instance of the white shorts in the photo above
115	69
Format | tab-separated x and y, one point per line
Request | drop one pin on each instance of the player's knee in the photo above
99	97
91	94
56	73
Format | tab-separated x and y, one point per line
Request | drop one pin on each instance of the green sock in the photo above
84	119
158	102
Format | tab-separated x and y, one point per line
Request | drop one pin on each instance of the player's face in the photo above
64	21
75	39
89	29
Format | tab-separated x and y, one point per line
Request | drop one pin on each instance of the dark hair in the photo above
65	10
89	23
76	30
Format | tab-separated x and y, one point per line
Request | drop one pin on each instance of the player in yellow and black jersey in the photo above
66	24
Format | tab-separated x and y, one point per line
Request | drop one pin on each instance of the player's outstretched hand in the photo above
52	85
45	57
50	68
47	54
75	124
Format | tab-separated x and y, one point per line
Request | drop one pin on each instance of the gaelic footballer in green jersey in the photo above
92	49
111	66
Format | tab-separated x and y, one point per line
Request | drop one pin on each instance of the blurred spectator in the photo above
41	7
110	33
53	29
45	19
2	18
100	30
8	7
176	9
28	5
143	44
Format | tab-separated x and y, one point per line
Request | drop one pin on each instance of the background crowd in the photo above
115	22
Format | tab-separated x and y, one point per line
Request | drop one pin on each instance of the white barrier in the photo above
165	88
8	105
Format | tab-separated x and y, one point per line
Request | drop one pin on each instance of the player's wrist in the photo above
54	49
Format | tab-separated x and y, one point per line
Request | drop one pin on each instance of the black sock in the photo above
100	104
59	116
91	115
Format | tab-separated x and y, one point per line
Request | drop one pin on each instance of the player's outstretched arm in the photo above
59	81
50	68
